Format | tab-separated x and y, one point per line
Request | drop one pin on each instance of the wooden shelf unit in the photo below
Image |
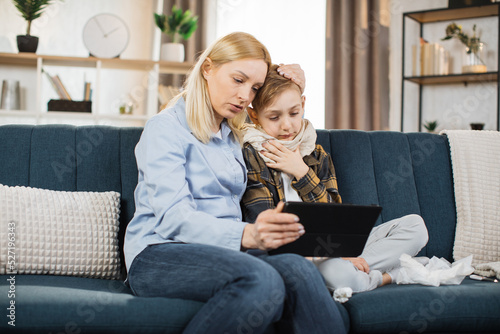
36	62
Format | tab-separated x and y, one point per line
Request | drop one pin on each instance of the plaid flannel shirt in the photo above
265	185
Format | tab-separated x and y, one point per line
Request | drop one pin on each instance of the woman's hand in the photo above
359	263
295	73
272	229
287	161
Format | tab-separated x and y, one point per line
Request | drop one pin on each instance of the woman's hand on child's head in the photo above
295	73
272	229
286	160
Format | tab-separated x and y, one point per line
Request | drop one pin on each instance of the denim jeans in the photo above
242	293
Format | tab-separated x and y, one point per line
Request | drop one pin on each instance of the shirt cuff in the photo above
307	183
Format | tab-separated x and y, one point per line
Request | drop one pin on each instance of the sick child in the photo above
285	164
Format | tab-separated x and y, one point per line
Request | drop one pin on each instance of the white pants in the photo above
386	243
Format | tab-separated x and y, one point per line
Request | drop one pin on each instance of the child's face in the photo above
282	119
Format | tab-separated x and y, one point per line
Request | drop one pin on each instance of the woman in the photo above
187	240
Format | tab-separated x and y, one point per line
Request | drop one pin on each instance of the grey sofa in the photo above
404	173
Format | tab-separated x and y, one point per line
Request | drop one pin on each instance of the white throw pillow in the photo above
59	232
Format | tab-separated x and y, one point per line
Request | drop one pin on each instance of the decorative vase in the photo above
11	99
172	52
473	61
27	43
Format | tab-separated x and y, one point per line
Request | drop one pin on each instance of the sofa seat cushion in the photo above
473	306
64	304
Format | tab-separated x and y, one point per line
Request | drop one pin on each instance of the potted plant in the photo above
473	62
431	126
179	24
30	10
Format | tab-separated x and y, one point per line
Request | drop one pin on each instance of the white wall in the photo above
453	106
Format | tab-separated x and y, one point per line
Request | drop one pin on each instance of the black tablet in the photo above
332	229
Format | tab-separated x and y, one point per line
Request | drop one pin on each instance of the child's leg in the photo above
339	273
387	242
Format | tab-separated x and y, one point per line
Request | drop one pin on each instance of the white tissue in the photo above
342	295
438	271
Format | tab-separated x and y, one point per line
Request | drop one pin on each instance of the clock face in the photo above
105	36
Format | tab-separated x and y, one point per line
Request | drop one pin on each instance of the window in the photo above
292	30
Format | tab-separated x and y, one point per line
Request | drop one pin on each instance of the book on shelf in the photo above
87	91
431	58
61	87
58	86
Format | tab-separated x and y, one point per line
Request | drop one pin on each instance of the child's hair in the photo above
199	110
274	85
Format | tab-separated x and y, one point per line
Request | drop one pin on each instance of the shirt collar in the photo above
180	113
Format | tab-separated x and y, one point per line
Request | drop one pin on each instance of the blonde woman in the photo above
187	239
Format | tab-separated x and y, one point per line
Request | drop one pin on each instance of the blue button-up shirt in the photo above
187	191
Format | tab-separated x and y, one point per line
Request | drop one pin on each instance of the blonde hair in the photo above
199	110
274	85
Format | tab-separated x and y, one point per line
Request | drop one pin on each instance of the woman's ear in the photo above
303	101
207	67
253	115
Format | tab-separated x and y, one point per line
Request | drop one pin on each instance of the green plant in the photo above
178	23
455	31
31	10
431	126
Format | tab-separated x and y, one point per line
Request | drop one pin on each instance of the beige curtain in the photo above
357	64
194	45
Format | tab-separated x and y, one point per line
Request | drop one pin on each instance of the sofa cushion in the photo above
15	149
470	307
434	180
352	158
64	304
404	173
59	232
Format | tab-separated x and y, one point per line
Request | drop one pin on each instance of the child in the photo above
285	163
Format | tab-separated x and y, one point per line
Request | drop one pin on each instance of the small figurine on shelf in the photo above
473	58
127	106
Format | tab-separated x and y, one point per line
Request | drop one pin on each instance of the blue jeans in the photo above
242	293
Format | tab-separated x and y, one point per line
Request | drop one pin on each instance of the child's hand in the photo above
295	73
359	263
287	161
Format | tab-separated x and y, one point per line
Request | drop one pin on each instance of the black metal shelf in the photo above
449	14
464	78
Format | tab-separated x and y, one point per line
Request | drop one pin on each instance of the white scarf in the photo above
306	138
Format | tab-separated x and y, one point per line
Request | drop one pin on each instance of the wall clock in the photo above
105	36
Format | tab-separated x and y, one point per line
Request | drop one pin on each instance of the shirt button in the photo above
235	197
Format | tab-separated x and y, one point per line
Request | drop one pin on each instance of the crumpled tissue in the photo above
438	271
342	294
